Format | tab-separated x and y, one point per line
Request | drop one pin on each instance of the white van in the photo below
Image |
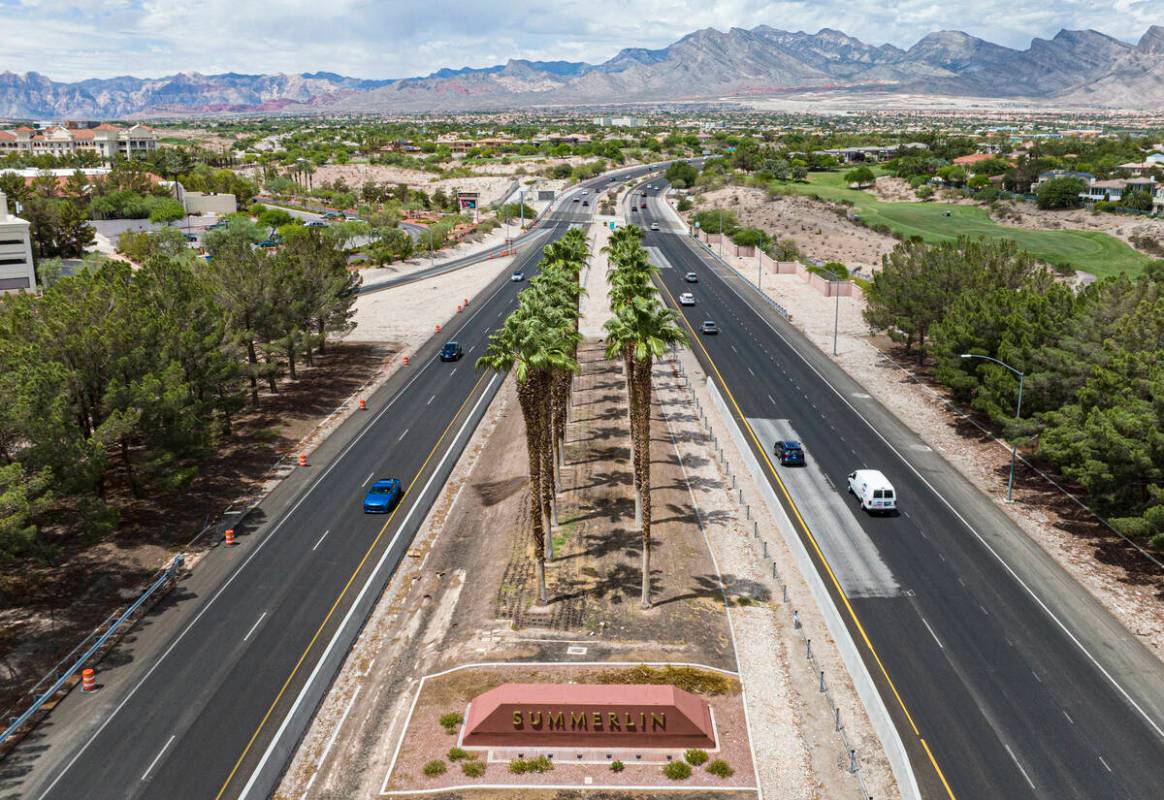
873	490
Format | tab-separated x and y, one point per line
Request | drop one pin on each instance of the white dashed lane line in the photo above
256	625
158	757
931	630
320	541
401	437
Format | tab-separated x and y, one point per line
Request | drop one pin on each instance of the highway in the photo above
230	693
999	688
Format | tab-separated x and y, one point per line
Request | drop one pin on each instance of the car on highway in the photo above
789	453
517	277
576	200
634	209
217	226
709	327
687	299
654	226
333	215
873	491
383	496
451	351
691	277
585	202
189	237
315	223
642	205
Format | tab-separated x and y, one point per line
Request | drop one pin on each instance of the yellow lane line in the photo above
343	593
812	539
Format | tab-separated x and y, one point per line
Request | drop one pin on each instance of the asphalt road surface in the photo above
203	718
1009	704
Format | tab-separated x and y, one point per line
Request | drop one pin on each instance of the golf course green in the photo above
1092	251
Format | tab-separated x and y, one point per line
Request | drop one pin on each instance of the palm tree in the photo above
641	331
539	342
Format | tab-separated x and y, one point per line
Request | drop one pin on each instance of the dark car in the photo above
709	327
691	277
383	496
451	351
789	453
585	202
643	205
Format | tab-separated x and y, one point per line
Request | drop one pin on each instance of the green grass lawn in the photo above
1095	252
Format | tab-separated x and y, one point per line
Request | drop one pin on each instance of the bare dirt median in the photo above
465	596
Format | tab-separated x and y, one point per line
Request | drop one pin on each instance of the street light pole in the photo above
1018	409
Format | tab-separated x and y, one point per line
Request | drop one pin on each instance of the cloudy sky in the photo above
70	39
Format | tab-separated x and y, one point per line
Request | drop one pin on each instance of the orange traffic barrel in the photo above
363	404
458	308
437	328
406	361
88	680
230	540
302	460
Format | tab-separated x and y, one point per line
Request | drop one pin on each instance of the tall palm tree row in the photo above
641	330
539	342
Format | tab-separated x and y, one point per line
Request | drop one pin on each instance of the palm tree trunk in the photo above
632	417
643	379
527	399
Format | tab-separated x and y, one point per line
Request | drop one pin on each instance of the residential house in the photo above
1113	190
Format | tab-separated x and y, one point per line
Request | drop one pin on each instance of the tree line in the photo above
126	379
1093	385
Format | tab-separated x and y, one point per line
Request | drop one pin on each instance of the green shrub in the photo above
473	769
617	766
451	720
677	770
695	756
458	754
520	766
720	768
434	768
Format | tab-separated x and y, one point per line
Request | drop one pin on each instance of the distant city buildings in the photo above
17	273
619	122
105	140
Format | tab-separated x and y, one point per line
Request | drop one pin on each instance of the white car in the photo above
654	226
873	490
687	299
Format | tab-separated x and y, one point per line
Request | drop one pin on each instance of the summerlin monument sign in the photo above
553	715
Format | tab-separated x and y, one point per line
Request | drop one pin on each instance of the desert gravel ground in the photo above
817	228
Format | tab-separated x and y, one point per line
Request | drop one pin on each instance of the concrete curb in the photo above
863	682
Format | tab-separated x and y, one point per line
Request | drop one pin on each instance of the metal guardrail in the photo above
853	766
90	647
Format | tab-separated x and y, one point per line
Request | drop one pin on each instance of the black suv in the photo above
451	352
789	453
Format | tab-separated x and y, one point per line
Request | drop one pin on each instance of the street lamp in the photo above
1017	411
834	279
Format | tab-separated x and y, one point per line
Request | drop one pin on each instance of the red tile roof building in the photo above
105	140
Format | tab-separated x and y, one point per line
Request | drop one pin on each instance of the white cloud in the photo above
67	40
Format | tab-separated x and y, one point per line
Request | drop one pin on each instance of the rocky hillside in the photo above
1078	67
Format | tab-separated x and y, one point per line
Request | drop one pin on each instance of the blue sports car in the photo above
383	496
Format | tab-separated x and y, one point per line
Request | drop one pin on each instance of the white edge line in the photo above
358	599
1159	731
270	534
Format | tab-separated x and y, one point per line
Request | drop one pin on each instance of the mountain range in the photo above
1072	68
